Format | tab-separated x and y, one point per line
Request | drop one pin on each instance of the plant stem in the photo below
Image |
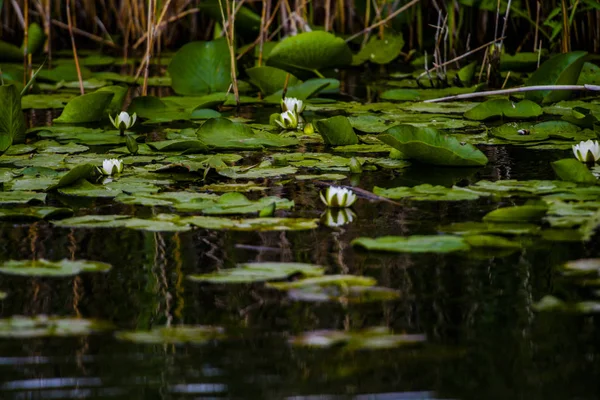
592	88
70	25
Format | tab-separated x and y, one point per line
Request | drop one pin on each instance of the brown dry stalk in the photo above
384	21
70	25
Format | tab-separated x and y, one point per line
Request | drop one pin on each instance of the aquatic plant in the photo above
588	151
123	121
337	197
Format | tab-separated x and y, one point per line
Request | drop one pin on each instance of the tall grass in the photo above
142	27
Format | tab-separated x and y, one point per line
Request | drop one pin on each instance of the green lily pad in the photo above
201	67
12	122
222	133
368	339
491	241
504	108
310	51
48	268
380	51
526	213
483	228
428	192
304	90
413	244
260	171
429	146
253	224
562	69
21	197
269	79
336	131
572	170
34	213
234	203
89	107
44	326
325	281
345	294
259	272
157	224
585	266
173	335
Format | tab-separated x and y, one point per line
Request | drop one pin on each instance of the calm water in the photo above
484	340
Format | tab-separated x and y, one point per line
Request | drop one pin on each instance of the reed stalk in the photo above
74	47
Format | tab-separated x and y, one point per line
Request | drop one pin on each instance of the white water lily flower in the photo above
287	120
338	197
337	217
123	120
588	151
111	166
292	104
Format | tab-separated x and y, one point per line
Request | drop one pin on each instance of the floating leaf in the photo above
380	51
225	134
491	241
89	107
345	294
526	213
310	51
562	69
201	67
173	335
253	224
325	281
585	266
337	131
428	146
413	244
372	338
48	268
21	197
34	213
44	326
259	272
270	79
504	108
569	169
12	122
428	192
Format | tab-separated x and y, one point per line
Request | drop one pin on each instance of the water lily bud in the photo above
337	197
309	129
355	166
287	120
292	104
132	145
123	120
111	166
588	151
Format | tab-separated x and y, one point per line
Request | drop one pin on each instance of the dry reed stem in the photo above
70	25
384	21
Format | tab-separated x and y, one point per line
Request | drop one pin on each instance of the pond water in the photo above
483	339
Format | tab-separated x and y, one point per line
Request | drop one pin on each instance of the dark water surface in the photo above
483	339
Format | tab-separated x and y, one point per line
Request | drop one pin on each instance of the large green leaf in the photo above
201	68
51	268
44	326
380	51
247	22
337	131
304	90
428	146
12	122
35	39
526	213
413	244
270	79
259	272
10	52
562	69
89	107
504	108
572	170
310	51
225	134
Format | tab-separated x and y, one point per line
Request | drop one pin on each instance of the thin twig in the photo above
70	25
88	35
384	21
592	88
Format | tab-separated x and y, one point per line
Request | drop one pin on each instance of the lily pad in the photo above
48	268
259	272
526	213
368	339
572	170
562	69
173	335
89	107
504	108
345	294
337	131
253	224
21	197
222	133
325	281
380	51
270	79
12	122
413	244
44	326
429	146
310	51
201	68
428	192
